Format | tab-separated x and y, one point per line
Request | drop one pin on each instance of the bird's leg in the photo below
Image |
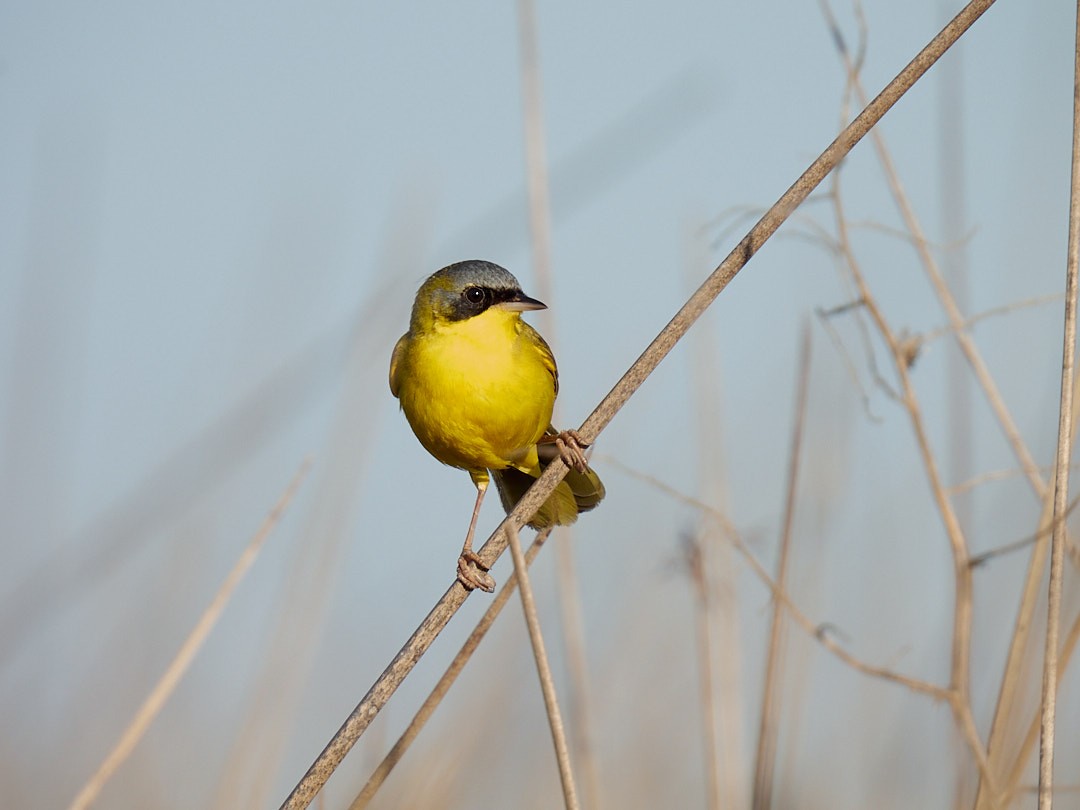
570	447
472	573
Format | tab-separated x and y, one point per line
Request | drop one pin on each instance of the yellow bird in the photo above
478	385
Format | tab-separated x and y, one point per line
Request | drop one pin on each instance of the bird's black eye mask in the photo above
473	300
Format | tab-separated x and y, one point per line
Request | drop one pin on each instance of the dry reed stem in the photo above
770	701
539	196
543	670
176	670
376	697
1064	453
434	698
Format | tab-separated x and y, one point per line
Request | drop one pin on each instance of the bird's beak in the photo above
521	303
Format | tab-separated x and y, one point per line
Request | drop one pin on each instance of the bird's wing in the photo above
546	357
395	358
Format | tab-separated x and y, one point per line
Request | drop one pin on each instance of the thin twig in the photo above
770	700
993	312
906	236
350	731
1047	531
434	698
845	356
1064	452
176	670
543	670
988	477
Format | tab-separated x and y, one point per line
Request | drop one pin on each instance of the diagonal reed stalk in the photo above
380	692
440	689
176	670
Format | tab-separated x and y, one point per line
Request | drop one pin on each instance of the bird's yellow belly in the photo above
477	401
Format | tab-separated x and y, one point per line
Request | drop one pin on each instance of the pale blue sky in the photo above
212	222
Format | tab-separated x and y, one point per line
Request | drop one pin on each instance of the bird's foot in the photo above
572	450
473	574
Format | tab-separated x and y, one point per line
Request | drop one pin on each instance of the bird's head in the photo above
465	290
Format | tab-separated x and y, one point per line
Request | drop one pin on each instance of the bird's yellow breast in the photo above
479	392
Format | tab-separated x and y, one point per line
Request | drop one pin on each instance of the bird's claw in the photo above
571	450
473	574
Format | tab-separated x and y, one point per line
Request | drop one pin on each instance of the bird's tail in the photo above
578	492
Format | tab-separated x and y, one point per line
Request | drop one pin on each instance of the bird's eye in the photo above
475	295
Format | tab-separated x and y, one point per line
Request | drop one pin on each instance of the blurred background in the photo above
213	219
